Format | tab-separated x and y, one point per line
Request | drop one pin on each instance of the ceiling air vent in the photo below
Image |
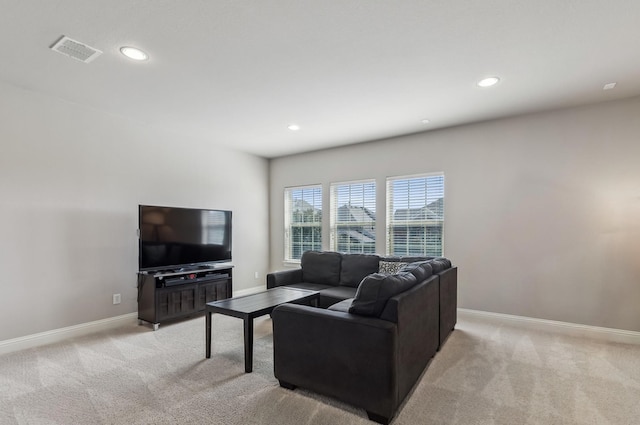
75	49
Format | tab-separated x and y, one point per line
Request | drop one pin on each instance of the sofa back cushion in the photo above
375	290
421	270
321	267
355	267
439	264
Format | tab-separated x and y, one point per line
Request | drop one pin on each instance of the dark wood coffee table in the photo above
251	306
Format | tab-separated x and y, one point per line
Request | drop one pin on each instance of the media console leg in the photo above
156	326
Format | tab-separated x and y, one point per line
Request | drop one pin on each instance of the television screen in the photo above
173	237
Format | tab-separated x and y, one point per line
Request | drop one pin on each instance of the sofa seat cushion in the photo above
355	267
342	306
376	289
321	267
335	294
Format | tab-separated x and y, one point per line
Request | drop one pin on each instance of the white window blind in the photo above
303	220
415	215
353	217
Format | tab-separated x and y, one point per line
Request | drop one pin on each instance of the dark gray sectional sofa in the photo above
381	320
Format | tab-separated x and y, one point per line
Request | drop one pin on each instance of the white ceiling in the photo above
238	72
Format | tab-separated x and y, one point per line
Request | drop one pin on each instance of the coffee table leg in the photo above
248	344
208	333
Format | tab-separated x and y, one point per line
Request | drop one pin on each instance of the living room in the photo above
541	207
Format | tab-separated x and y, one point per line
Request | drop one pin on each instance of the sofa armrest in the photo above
284	277
350	357
448	302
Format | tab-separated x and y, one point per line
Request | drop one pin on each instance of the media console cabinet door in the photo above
212	291
176	301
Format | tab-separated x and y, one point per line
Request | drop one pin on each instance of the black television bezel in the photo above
183	266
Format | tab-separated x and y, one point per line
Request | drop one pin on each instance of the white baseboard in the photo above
249	291
564	328
57	335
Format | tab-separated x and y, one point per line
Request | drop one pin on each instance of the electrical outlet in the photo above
256	275
116	298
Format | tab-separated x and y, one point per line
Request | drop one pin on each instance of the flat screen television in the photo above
182	238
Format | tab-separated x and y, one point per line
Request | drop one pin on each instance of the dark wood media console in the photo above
172	294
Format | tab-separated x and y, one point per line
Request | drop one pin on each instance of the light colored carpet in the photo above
485	374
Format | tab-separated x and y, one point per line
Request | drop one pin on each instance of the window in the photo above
353	217
415	215
303	220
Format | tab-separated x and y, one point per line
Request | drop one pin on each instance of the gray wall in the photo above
71	179
542	211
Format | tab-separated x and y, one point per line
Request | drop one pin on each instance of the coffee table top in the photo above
255	305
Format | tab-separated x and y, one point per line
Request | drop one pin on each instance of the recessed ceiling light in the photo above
609	86
133	53
488	82
293	127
